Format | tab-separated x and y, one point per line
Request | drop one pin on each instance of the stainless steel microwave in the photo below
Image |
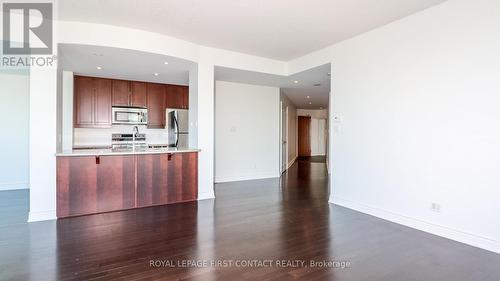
130	116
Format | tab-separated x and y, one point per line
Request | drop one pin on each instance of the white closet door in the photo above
318	137
314	136
322	136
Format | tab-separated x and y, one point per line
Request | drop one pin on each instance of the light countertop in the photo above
109	152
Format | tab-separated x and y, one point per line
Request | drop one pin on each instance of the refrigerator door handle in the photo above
177	131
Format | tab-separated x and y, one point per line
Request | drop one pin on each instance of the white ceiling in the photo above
279	29
124	64
297	92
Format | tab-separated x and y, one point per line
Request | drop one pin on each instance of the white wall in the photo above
193	107
292	129
43	143
418	102
14	148
246	131
67	110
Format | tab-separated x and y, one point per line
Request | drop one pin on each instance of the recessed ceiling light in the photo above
99	68
295	81
308	97
310	103
156	74
165	62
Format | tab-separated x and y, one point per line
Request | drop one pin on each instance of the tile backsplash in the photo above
102	137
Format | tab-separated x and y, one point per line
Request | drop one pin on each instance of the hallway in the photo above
286	221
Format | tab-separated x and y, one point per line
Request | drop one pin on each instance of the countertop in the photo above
109	152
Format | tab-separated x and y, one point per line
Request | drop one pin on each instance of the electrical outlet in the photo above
436	207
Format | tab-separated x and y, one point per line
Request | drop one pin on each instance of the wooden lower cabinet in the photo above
98	184
90	184
159	177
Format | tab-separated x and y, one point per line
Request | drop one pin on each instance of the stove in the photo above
120	142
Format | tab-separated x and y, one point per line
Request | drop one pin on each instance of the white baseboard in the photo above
14	186
206	195
42	216
245	178
291	162
439	230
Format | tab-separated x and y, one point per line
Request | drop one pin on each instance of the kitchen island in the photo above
91	181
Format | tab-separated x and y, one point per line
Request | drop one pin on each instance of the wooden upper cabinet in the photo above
95	97
177	97
129	93
92	102
121	93
156	105
102	104
83	110
138	94
185	97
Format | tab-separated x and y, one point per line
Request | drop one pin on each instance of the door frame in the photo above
283	137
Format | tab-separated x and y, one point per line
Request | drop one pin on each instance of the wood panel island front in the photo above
98	181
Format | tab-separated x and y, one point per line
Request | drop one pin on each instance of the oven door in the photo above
129	116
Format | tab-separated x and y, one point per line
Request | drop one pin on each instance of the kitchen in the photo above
128	143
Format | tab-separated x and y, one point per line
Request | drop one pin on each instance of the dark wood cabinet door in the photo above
139	96
185	164
83	110
174	97
86	185
121	92
185	97
102	103
156	105
164	178
152	172
304	135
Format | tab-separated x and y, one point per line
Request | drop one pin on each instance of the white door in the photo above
318	141
322	136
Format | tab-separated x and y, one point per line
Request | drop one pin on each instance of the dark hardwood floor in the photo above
275	219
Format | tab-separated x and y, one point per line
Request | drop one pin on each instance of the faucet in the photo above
135	131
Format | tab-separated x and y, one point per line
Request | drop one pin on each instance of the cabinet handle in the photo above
98	160
169	156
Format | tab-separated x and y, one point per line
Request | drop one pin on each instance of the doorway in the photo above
304	135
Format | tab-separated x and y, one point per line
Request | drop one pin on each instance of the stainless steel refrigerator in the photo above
178	127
